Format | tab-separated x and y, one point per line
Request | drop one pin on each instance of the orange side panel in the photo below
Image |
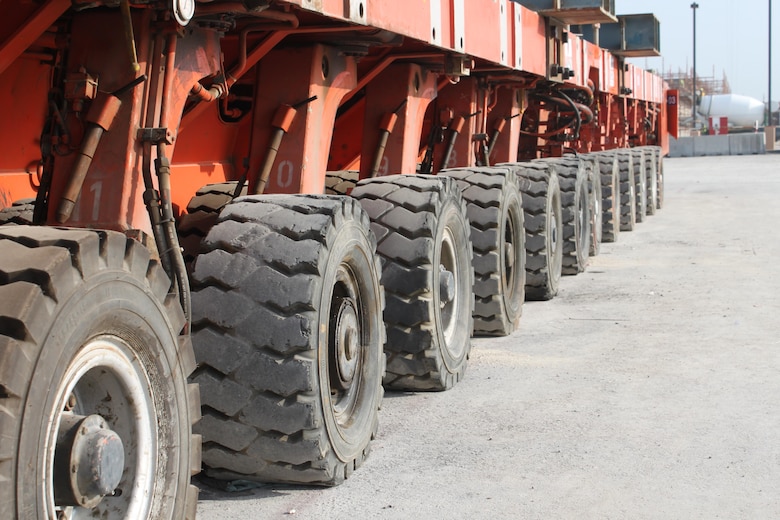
514	20
447	26
534	44
408	17
611	84
639	83
657	95
592	58
481	14
573	60
659	90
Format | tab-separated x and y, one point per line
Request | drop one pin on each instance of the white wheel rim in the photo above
511	255
450	311
106	367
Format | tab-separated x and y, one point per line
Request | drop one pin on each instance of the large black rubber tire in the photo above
202	212
284	283
341	182
627	191
88	327
495	211
607	164
575	213
651	176
423	236
539	186
638	159
20	213
595	203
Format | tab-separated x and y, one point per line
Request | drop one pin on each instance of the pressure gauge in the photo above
183	10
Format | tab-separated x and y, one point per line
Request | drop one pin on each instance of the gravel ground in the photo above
649	388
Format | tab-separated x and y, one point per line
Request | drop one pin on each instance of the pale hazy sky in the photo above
731	36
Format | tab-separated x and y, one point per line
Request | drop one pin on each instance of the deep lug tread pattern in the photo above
409	214
258	290
202	212
20	213
627	191
607	164
641	183
341	182
539	185
575	213
492	200
42	273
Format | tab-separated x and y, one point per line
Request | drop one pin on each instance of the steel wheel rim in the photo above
581	212
450	310
512	250
554	238
346	352
107	378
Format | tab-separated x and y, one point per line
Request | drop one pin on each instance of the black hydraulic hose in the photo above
568	102
152	202
173	252
578	93
426	167
551	133
552	99
577	114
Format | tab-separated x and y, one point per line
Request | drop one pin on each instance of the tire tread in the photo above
255	285
404	212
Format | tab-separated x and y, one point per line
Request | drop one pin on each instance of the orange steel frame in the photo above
296	99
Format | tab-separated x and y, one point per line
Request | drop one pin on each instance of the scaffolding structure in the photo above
705	85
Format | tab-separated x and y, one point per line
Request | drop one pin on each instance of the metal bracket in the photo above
155	136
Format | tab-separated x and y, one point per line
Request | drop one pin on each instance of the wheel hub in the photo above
347	342
446	286
509	252
89	461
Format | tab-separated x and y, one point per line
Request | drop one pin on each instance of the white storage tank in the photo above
742	111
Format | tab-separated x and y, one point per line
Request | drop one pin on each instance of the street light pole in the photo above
769	127
695	6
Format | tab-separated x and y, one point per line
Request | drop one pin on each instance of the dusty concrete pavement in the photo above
649	388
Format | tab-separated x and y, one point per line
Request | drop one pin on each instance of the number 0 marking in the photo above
284	175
